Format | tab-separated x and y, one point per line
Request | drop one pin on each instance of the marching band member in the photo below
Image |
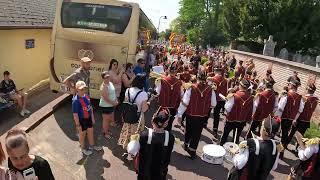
185	76
239	109
308	167
221	84
170	93
257	156
265	104
196	102
209	65
303	121
289	108
241	69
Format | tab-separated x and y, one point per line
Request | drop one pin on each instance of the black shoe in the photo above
192	154
281	155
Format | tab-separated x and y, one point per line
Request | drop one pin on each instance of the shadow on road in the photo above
198	166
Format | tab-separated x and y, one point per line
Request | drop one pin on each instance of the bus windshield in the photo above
107	18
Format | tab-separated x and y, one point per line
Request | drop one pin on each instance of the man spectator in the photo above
8	88
20	160
140	69
80	74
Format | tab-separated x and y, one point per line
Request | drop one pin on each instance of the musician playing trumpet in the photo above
169	89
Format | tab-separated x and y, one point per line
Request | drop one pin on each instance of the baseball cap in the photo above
81	85
85	59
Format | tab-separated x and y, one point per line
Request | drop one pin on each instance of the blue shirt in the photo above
140	70
81	106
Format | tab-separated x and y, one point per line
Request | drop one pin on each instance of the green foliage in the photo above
204	60
295	24
313	131
199	20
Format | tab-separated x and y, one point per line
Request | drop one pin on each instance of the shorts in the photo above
85	123
107	110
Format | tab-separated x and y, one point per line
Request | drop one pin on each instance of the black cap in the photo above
161	117
311	87
295	83
271	125
173	66
202	75
245	83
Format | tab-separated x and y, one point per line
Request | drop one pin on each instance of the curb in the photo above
39	116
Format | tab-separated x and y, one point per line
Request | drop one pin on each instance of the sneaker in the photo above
26	111
96	148
86	152
22	113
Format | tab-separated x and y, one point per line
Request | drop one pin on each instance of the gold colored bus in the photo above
110	29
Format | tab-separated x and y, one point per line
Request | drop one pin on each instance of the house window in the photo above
29	43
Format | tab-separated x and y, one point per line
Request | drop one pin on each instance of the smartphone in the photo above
29	174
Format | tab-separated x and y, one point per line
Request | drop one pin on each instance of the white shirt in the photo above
186	100
143	96
282	104
229	104
306	153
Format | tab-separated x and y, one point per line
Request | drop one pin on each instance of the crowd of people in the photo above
187	91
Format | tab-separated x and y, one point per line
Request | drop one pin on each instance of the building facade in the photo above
25	32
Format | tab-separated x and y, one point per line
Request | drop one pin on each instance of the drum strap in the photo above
150	131
256	141
274	150
166	141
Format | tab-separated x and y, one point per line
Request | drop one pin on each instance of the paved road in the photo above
56	140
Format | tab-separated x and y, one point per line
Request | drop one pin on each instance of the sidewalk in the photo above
11	117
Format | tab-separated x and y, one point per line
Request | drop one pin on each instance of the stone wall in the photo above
281	70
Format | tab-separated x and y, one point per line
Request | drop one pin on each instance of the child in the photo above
83	117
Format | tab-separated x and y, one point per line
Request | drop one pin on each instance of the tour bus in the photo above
100	29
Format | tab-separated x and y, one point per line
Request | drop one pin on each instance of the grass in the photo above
313	131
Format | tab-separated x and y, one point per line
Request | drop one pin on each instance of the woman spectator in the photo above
141	102
20	160
107	103
5	174
127	78
115	75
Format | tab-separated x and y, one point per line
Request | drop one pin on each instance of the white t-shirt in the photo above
143	96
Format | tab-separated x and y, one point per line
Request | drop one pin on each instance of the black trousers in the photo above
301	127
216	115
173	112
194	126
285	128
229	126
253	127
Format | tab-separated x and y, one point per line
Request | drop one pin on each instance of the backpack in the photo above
130	110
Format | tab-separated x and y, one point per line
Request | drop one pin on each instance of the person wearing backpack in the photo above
134	104
156	145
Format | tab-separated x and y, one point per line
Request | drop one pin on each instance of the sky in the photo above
154	9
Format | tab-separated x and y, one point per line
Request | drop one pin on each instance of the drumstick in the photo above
235	137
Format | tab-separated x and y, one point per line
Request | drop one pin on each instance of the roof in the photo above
27	13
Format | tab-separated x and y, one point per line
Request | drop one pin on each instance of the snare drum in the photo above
231	148
213	154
